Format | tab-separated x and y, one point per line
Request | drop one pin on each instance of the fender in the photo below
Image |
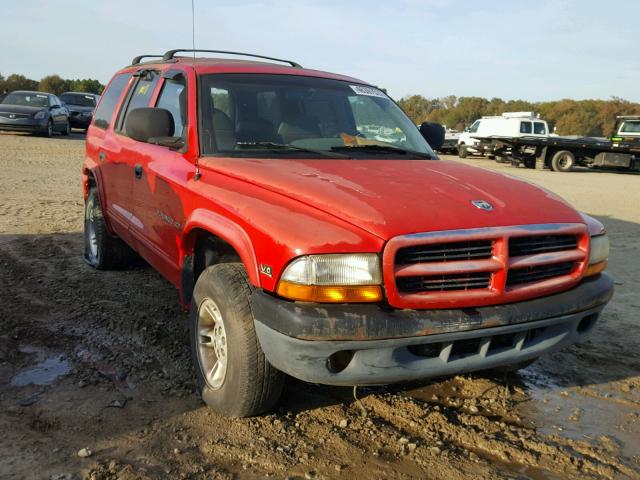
228	231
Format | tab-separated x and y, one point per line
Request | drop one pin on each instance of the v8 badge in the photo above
266	270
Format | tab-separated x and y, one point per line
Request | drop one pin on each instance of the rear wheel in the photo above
102	250
562	161
462	151
233	375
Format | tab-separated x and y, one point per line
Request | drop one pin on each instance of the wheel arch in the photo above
208	239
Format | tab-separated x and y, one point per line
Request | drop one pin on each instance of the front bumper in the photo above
23	125
77	120
384	346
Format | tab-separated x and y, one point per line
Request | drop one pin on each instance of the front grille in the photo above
538	273
15	115
532	245
444	252
443	283
484	266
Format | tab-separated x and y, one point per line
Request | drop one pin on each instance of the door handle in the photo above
102	156
137	170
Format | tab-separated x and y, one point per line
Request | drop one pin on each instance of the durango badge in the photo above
482	205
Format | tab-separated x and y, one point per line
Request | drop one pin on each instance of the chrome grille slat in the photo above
538	273
444	282
468	250
541	244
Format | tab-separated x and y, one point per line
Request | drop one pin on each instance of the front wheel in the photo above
233	374
462	151
67	129
49	131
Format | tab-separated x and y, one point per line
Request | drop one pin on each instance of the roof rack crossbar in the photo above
171	53
138	59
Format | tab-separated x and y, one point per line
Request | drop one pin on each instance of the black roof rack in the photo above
138	59
171	54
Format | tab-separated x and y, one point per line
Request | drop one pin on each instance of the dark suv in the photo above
312	231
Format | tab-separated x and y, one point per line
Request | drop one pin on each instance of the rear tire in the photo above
462	151
101	250
233	374
562	161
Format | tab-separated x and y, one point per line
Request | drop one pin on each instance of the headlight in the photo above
86	114
598	255
333	278
40	115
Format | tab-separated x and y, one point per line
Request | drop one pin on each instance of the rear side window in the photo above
139	97
525	127
539	128
110	97
173	97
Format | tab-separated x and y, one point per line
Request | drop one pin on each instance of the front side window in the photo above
525	127
474	128
539	128
109	101
630	126
274	115
173	97
26	99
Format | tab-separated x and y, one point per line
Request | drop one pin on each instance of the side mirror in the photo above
143	124
433	133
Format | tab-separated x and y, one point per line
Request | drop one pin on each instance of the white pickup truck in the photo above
509	124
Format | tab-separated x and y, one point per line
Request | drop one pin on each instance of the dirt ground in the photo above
96	381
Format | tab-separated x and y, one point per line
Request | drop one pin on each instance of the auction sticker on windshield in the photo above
370	91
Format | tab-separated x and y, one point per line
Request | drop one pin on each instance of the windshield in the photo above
275	115
26	99
630	126
78	99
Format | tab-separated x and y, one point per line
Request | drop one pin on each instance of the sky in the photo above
536	50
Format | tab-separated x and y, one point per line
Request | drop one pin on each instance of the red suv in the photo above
312	231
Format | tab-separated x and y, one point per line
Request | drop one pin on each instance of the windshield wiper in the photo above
288	146
383	149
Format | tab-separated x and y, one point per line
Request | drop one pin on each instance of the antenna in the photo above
193	27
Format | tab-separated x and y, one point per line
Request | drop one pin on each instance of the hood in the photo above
21	109
397	197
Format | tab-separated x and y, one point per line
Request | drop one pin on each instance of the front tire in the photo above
49	131
462	151
101	250
67	129
233	374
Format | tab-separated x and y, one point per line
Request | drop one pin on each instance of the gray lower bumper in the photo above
368	345
377	362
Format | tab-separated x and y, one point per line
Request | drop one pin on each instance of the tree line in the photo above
51	83
596	118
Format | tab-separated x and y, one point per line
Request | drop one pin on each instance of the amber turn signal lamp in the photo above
330	294
596	268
